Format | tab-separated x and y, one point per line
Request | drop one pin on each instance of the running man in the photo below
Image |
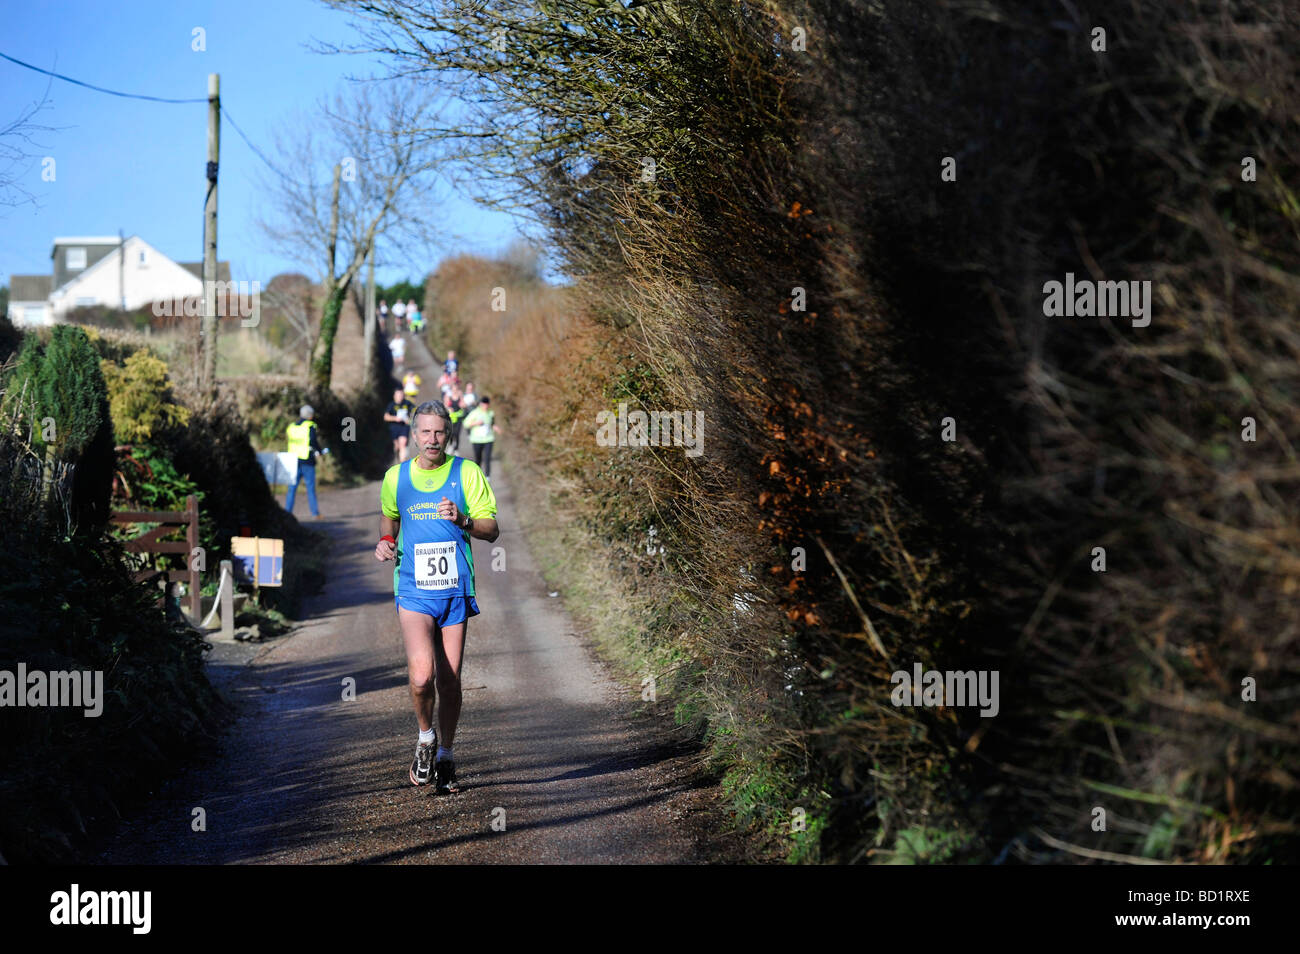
398	415
482	426
451	401
430	508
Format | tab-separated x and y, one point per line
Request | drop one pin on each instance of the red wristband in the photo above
388	538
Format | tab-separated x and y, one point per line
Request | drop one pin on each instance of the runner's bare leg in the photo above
417	635
451	651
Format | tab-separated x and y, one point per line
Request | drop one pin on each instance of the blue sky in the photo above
138	166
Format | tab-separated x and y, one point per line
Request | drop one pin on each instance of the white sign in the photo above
435	566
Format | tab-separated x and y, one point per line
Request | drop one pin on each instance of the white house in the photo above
103	270
29	299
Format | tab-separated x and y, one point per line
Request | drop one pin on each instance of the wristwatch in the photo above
466	525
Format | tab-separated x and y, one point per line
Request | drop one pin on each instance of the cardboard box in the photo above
257	560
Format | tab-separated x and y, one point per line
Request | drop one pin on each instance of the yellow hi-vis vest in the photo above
300	439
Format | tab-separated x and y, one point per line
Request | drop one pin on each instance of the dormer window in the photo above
76	259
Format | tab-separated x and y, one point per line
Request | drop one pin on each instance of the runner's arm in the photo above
386	549
480	516
484	528
388	525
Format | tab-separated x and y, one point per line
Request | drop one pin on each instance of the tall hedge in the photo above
58	390
908	460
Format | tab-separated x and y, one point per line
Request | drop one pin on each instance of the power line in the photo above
257	152
100	89
156	99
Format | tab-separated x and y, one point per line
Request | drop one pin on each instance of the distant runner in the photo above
411	382
398	414
483	429
398	347
431	506
451	401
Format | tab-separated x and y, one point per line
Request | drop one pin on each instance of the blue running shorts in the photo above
445	612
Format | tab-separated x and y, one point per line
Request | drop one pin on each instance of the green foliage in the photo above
402	291
766	794
162	486
62	380
139	396
105	316
71	605
921	845
60	384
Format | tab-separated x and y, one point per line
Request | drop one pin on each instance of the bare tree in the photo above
382	167
18	150
289	298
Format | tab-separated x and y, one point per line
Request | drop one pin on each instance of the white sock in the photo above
426	735
444	753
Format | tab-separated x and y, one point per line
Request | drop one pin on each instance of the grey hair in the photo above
436	408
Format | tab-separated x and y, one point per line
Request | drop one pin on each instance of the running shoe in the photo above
445	775
422	767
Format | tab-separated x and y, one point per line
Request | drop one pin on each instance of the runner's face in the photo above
431	435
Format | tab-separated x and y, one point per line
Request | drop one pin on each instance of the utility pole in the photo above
370	317
208	330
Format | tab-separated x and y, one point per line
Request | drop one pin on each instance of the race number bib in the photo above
435	566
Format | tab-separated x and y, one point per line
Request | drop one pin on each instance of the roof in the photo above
88	240
196	269
29	287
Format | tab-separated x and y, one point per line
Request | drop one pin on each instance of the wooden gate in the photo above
149	542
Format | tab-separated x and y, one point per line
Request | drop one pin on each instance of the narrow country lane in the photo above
548	743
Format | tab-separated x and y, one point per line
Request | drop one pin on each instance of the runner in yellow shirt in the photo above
431	506
411	384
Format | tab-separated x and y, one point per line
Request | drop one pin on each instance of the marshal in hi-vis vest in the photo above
300	439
